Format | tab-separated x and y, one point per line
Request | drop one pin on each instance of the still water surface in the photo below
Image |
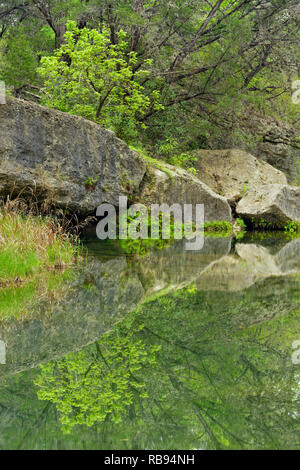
171	350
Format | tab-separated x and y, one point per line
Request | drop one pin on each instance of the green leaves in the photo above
23	45
98	382
96	79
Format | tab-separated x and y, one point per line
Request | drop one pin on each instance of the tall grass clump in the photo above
31	244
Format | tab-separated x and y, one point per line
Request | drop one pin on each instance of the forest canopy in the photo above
173	73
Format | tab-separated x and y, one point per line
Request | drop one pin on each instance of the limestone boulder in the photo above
65	159
231	173
273	203
169	185
74	163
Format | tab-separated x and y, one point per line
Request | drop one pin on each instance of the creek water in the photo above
174	349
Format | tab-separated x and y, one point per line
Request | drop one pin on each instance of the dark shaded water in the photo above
172	350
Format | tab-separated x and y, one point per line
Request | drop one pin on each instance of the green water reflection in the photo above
175	350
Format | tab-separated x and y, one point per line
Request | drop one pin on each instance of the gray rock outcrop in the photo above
231	173
265	137
274	203
76	164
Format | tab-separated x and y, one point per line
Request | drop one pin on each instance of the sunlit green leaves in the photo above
93	78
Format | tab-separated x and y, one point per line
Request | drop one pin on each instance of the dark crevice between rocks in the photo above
255	225
259	226
145	181
233	205
276	142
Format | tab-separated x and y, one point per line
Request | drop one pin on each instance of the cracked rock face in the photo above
232	172
276	203
278	146
68	160
268	139
76	164
176	185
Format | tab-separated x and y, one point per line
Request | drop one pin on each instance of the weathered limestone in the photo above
274	203
171	184
265	137
231	173
55	154
256	190
76	164
277	144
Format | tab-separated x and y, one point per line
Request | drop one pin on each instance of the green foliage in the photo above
168	231
152	161
96	79
240	222
266	225
169	150
241	228
223	228
91	182
166	227
31	245
100	382
20	53
141	246
292	227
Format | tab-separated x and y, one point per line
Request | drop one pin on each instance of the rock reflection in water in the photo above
223	324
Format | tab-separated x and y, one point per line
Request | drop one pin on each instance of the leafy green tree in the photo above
212	62
93	78
20	53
